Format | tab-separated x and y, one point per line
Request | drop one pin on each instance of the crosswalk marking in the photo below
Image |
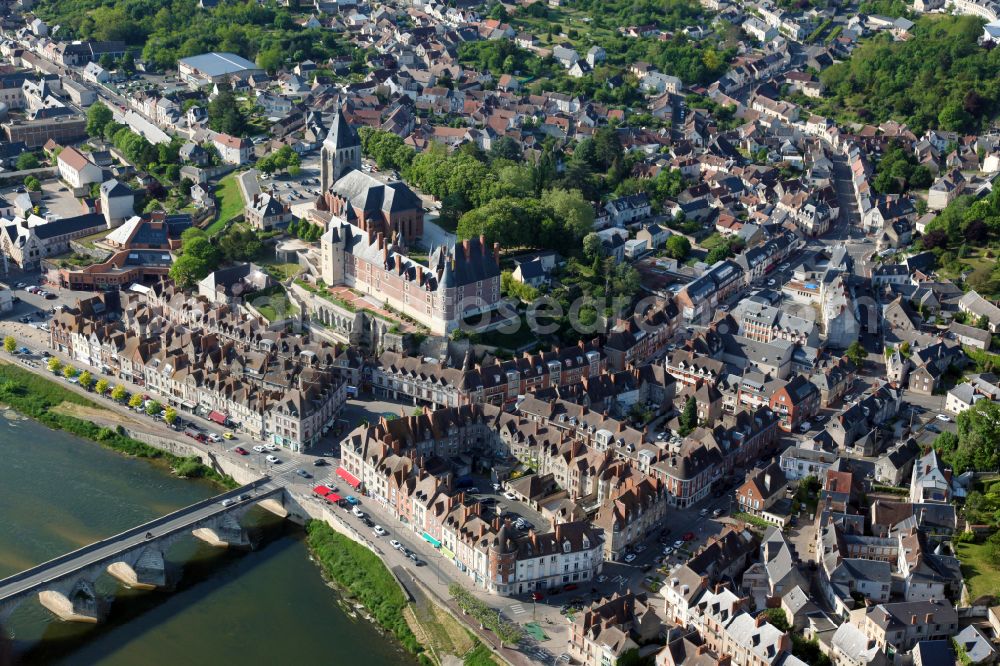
517	609
281	481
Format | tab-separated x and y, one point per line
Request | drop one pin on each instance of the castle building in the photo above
459	281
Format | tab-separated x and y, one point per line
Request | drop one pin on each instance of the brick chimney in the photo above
496	253
761	619
380	239
482	244
420	274
467	249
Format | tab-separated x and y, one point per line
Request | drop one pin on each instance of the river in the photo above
58	492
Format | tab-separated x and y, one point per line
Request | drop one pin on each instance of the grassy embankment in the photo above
425	630
38	398
229	202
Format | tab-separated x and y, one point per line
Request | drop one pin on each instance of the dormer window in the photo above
566	546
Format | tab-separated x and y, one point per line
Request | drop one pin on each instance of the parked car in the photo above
718	512
259	448
688	536
537	596
379	531
509	495
943	417
630	557
272	459
240	450
214	438
319	462
395	544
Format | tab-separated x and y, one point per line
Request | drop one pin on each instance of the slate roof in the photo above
370	194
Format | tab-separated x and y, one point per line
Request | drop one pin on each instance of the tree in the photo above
98	117
856	353
33	184
678	247
592	246
9	344
198	258
27	161
571	210
983	322
86	379
170	416
505	148
778	618
101	387
69	372
153	408
225	114
978	431
118	393
54	365
689	417
239	244
271	59
136	401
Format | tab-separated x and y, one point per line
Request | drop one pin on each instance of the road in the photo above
106	548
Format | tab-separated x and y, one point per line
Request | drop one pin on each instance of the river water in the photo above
268	606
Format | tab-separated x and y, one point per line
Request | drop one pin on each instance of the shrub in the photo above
362	574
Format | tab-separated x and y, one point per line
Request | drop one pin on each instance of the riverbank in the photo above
362	575
423	627
40	398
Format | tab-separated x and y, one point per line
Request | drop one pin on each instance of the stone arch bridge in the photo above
66	585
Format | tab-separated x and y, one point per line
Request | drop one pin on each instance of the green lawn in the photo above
273	303
230	203
980	575
512	341
281	271
568	18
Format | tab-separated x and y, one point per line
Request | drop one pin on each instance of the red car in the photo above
537	596
240	450
688	536
570	587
